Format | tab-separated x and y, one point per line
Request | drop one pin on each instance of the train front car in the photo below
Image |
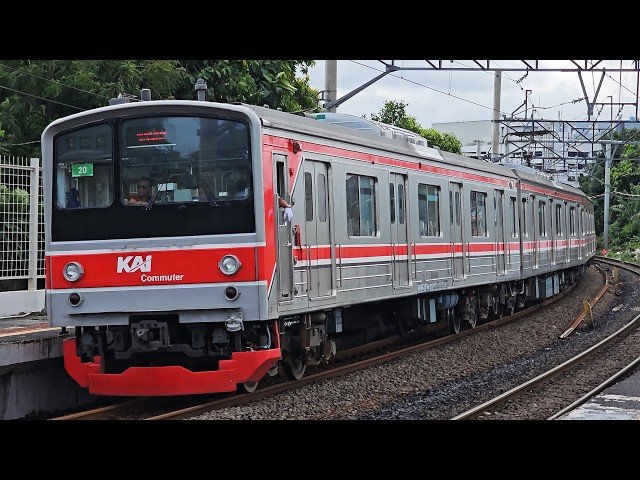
155	248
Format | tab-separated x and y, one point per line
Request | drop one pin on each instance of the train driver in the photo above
143	192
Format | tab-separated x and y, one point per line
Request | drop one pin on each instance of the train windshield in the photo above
183	159
154	176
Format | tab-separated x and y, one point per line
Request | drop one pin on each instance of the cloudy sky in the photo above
456	96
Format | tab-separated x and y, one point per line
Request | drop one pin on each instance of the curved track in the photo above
622	349
529	387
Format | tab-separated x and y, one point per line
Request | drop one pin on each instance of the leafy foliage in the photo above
624	199
14	229
256	82
3	149
34	93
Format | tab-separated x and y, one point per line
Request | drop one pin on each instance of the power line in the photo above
58	82
41	98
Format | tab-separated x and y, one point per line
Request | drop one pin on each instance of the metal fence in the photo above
21	222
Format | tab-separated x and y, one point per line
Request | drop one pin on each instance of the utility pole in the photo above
607	179
607	186
330	84
495	139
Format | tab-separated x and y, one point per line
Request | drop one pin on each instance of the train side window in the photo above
542	220
280	188
392	202
514	217
478	214
361	206
525	231
322	197
429	210
281	191
308	196
454	208
401	204
572	221
559	231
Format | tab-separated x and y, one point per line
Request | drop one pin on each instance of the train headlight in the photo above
229	264
73	271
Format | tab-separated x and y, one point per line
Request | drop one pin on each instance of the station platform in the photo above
23	323
618	402
33	381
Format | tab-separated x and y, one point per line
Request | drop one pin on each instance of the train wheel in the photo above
473	313
295	367
248	387
453	320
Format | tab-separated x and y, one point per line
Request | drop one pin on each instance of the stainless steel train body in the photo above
206	286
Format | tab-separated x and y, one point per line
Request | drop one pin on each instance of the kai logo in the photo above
132	264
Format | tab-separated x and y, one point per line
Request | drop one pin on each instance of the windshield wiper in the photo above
154	197
207	192
153	200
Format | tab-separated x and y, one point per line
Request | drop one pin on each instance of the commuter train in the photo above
207	287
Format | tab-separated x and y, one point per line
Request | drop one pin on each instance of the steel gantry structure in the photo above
550	145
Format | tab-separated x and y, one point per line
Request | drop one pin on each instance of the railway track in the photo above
535	386
603	364
353	360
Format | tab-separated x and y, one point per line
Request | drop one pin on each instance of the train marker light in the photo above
73	271
231	293
75	299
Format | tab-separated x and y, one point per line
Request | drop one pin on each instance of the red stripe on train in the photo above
153	267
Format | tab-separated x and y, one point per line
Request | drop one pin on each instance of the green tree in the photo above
625	220
394	113
3	148
624	211
280	84
624	196
34	93
592	184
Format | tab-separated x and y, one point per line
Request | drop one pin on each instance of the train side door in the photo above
580	232
320	251
498	211
535	227
285	244
567	213
455	217
554	210
399	221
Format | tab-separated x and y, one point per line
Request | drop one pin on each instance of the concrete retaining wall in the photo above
21	302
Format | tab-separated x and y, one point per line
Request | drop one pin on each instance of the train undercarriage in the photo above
291	344
312	338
